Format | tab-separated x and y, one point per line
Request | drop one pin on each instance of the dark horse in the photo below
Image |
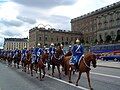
17	59
10	58
27	61
57	60
83	66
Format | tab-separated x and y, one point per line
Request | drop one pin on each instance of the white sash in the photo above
77	48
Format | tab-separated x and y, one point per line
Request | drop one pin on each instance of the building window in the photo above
51	39
46	38
57	38
39	38
71	38
62	38
67	38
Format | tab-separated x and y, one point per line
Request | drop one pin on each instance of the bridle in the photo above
86	64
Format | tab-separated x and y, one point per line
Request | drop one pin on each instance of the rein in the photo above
59	57
86	64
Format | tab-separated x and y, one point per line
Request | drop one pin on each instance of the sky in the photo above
17	17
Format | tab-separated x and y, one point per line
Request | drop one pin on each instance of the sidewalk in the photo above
109	64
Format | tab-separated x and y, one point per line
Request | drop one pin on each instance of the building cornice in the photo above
98	11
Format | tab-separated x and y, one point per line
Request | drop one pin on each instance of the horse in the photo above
17	59
40	65
10	58
69	53
27	61
57	60
83	66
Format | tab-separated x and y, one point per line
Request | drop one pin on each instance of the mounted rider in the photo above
51	50
24	54
77	53
37	52
15	56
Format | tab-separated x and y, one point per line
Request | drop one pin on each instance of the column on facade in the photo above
118	17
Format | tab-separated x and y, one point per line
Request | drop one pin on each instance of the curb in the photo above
108	66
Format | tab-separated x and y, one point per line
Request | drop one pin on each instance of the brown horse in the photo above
57	60
69	53
40	65
83	66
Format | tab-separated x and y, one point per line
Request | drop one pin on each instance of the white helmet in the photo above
44	46
52	44
61	45
77	41
70	46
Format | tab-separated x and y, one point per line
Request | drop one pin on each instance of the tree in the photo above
82	41
117	38
108	38
95	41
101	40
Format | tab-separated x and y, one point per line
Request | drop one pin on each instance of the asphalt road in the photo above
102	78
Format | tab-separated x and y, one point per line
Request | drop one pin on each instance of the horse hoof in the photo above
49	74
76	84
43	76
70	81
59	77
36	77
31	75
41	80
91	88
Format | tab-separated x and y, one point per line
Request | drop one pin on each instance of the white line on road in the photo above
105	75
79	87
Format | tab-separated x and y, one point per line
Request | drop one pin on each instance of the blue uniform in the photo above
36	54
77	52
51	50
15	53
24	54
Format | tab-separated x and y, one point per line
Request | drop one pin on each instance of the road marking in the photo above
105	75
79	87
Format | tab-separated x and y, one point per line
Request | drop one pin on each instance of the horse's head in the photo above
59	51
92	57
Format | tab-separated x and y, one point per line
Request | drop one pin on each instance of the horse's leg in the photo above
43	69
88	77
78	78
53	67
36	69
40	74
18	64
48	63
28	68
11	62
14	63
31	69
25	66
22	65
69	75
58	67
